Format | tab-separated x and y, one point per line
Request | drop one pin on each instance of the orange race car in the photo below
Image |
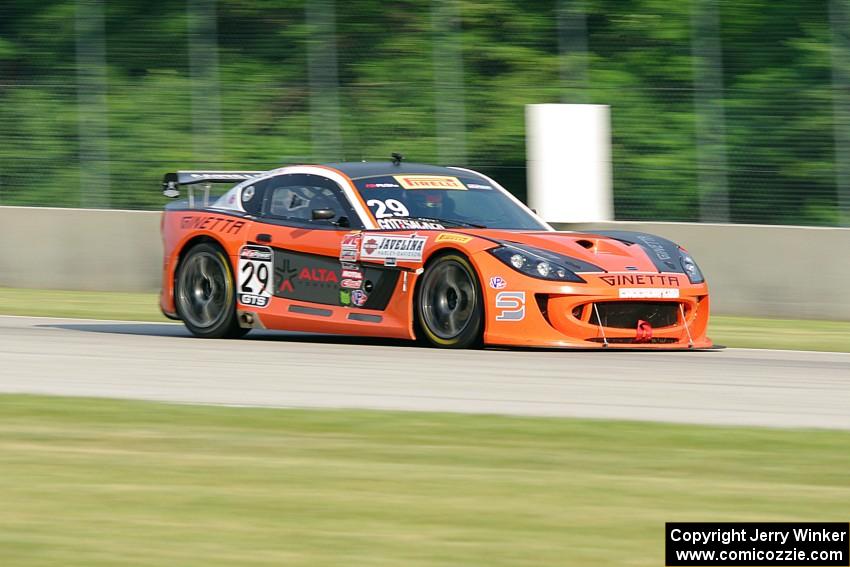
413	251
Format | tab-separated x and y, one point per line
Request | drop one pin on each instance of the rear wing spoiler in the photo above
171	182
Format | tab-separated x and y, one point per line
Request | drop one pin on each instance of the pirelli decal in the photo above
430	182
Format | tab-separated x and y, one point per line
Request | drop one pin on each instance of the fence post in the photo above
324	80
202	32
92	108
448	82
709	115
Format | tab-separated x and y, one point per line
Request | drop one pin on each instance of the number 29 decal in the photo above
254	285
388	208
512	305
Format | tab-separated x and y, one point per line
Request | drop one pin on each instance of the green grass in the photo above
97	482
81	304
749	332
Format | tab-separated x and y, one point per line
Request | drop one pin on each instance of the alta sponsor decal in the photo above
317	275
498	282
449	237
430	182
405	248
640	279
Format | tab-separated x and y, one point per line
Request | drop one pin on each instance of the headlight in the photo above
542	264
691	269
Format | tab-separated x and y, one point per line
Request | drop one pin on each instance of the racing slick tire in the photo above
204	293
449	303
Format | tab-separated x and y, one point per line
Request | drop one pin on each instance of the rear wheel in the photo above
449	305
204	293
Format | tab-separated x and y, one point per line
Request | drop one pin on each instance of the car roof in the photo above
362	169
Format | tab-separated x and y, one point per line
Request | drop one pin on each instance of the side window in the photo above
294	198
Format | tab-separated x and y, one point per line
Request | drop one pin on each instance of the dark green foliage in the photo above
776	84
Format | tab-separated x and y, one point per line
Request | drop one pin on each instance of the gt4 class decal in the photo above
511	304
430	182
404	248
388	208
255	270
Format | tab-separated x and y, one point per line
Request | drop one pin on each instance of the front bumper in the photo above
536	313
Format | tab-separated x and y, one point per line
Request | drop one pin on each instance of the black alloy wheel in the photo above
449	303
204	293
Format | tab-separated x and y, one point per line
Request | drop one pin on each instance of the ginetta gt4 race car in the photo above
412	251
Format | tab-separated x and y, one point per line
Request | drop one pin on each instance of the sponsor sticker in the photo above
350	283
449	237
359	297
649	292
405	248
255	271
498	282
352	274
345	297
380	185
477	186
511	304
430	182
350	247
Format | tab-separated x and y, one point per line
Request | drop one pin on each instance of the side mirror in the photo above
323	214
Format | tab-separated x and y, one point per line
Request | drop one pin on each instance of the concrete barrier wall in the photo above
80	249
764	271
767	271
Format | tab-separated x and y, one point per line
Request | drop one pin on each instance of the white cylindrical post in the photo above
569	161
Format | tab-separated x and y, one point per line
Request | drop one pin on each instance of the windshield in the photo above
422	201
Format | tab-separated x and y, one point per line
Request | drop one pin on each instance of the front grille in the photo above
626	314
625	340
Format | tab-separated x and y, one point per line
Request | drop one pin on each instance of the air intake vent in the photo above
626	314
585	244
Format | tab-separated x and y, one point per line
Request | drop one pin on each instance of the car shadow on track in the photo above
180	332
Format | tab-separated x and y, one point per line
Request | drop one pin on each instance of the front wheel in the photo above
449	304
204	294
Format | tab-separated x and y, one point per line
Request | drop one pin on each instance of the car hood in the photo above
613	251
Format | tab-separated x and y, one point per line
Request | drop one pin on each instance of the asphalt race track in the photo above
153	361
